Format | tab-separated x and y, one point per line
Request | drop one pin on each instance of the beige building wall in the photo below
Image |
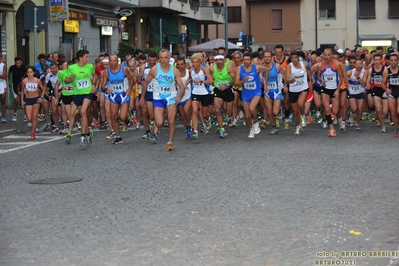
340	31
217	31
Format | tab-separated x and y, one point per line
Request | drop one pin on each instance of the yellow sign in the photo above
71	26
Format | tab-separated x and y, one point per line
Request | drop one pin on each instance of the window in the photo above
327	9
393	9
276	19
234	13
366	8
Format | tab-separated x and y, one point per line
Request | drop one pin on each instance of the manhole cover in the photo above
60	180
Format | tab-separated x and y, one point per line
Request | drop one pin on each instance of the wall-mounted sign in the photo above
126	12
58	10
71	26
78	15
104	21
125	36
106	30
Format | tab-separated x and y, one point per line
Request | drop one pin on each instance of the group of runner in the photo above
206	90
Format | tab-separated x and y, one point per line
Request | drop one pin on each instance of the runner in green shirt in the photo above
81	76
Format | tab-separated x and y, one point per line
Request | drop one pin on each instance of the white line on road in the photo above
28	144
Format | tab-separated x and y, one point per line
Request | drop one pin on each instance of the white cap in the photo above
171	61
340	51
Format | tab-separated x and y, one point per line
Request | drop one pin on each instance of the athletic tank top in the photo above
329	75
150	85
301	81
3	82
187	89
221	77
31	86
354	84
376	77
118	81
200	88
275	81
166	81
393	80
254	81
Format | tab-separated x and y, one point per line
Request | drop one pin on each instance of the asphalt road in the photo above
273	200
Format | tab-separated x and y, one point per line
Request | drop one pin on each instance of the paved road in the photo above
274	200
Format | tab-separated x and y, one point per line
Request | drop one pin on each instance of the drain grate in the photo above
54	181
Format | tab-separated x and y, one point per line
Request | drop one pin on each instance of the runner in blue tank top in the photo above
248	76
165	94
118	82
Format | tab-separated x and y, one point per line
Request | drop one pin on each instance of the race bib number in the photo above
272	85
219	84
30	86
117	88
354	88
82	84
394	81
164	89
67	88
377	79
250	85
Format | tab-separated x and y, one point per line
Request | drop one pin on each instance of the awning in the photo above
192	29
378	36
170	28
7	8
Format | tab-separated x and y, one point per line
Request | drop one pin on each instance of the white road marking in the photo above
25	144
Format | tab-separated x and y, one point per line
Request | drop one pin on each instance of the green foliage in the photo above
125	48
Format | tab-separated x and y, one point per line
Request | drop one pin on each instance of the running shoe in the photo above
233	123
166	123
274	131
318	114
32	136
278	122
240	114
138	126
383	129
286	124
54	129
228	121
357	127
64	130
208	124
324	124
256	128
68	138
334	119
48	127
263	124
363	117
14	118
83	141
170	146
391	124
90	138
154	138
332	132
342	125
309	120
319	120
124	129
118	140
222	133
96	124
194	135
298	130
3	120
112	135
25	119
303	121
396	133
251	133
147	135
189	133
103	126
378	123
204	129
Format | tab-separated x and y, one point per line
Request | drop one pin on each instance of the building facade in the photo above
369	23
